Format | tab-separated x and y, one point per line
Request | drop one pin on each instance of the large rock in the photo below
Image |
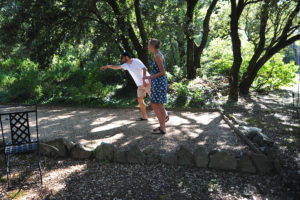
245	164
169	158
278	167
222	160
262	140
48	150
151	156
184	157
81	152
60	144
120	156
250	132
105	152
134	155
70	145
262	163
271	151
201	157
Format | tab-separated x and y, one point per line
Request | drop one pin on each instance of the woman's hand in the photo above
146	77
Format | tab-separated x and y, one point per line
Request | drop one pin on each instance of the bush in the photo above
175	74
275	74
63	82
188	95
198	98
25	88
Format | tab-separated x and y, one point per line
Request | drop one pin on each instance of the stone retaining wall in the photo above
221	160
262	160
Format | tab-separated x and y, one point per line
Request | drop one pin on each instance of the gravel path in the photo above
91	126
69	179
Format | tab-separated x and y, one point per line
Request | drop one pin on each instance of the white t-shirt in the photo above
136	71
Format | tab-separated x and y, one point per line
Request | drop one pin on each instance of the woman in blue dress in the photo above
158	86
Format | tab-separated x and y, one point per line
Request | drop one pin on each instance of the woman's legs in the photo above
154	107
161	116
160	113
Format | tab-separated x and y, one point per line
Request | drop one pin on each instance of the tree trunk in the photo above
126	27
143	34
251	72
256	65
236	48
297	62
189	33
191	71
199	50
181	51
247	81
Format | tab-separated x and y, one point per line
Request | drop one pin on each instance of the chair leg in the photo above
7	169
40	168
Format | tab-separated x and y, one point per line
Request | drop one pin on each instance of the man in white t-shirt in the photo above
137	70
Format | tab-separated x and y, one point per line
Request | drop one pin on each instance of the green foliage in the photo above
63	82
275	74
175	74
215	60
19	81
70	40
186	94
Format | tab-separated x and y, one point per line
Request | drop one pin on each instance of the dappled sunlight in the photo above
110	126
61	176
176	121
105	128
102	120
109	139
91	126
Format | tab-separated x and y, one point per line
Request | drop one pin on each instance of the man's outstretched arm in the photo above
115	67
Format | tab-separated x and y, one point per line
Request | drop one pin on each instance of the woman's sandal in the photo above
167	117
141	119
155	129
158	131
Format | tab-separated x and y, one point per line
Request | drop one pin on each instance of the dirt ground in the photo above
91	126
89	179
70	179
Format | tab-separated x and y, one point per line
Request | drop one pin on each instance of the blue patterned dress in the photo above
158	85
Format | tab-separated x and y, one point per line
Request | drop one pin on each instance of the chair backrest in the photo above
19	126
14	122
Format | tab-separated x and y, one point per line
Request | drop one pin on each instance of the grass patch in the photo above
16	194
3	179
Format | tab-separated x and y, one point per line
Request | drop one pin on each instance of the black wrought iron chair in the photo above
18	139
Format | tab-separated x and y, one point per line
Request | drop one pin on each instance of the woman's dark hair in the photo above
155	42
126	53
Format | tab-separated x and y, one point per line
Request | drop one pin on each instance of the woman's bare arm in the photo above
159	62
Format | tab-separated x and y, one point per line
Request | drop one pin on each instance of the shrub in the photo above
198	98
275	74
175	74
188	95
25	88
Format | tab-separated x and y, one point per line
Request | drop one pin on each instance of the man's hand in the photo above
145	84
146	77
103	68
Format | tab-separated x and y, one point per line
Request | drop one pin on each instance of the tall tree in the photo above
297	61
42	26
237	8
279	27
194	52
198	50
189	33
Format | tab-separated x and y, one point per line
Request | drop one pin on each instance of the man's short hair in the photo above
126	53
